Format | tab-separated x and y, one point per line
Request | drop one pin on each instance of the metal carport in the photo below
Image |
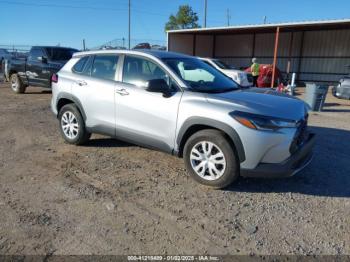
317	51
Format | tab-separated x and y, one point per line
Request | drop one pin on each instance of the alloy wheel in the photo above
14	83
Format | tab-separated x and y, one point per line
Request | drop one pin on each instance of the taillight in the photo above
54	78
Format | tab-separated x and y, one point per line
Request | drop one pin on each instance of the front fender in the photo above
233	135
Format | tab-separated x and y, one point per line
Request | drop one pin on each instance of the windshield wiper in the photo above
226	90
213	91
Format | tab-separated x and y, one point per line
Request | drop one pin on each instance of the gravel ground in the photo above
110	197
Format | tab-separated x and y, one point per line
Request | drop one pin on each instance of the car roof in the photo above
206	58
209	59
156	53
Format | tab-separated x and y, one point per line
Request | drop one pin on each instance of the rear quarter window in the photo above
79	66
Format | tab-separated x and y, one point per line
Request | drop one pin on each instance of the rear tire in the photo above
210	159
72	125
16	84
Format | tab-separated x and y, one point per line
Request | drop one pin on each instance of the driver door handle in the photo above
122	92
81	83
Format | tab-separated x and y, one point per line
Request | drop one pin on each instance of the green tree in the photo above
185	18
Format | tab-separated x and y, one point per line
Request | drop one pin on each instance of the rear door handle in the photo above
122	92
81	83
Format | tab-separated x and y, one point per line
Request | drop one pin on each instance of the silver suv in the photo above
180	105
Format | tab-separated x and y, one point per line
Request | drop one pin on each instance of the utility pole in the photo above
228	16
129	22
205	13
265	19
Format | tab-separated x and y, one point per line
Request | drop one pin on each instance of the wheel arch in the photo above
196	124
65	98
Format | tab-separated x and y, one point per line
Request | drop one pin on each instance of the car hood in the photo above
263	101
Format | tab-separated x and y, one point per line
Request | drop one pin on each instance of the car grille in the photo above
300	136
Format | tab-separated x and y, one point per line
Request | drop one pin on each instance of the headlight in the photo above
261	122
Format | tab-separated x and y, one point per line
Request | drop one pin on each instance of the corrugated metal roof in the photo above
262	26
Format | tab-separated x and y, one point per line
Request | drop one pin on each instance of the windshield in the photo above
222	64
60	54
200	76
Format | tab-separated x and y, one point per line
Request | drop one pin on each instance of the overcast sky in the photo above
67	22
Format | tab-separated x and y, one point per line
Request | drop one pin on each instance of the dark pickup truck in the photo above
37	69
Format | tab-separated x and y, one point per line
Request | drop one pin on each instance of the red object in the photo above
280	88
265	75
54	78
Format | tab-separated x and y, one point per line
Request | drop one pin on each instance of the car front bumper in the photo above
295	163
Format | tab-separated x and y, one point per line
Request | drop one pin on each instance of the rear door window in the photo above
104	67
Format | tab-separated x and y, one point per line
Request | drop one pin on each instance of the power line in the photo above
149	13
83	7
62	6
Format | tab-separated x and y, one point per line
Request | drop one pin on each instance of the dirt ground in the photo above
110	197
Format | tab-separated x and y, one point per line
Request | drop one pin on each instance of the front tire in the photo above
210	159
72	125
16	84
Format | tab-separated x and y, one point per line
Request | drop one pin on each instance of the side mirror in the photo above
158	86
